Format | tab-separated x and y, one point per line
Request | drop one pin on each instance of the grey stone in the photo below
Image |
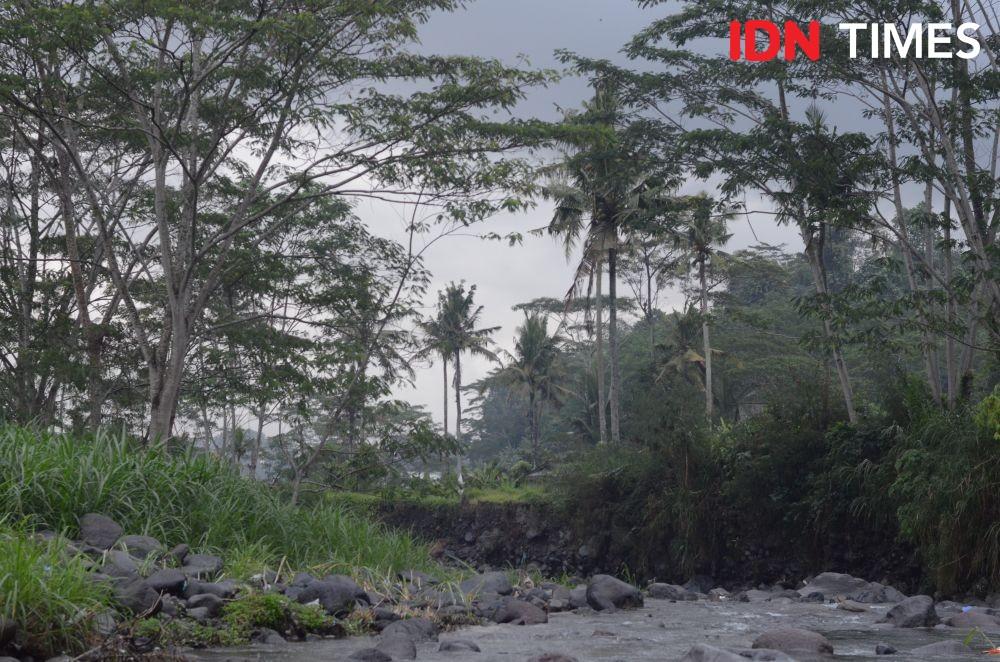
8	631
212	603
661	591
168	580
706	653
973	619
417	578
138	597
885	649
337	594
699	584
178	554
120	564
794	640
201	566
578	597
200	614
141	547
397	646
488	582
519	612
417	629
459	646
913	612
225	589
553	657
99	530
606	592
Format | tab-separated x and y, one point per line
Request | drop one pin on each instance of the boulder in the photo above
835	584
578	597
200	614
168	580
120	565
177	554
661	591
753	595
212	603
201	566
417	578
706	653
851	605
913	612
141	546
885	649
973	619
417	629
224	589
398	647
138	597
717	594
794	640
99	531
337	594
519	612
439	598
553	657
459	646
606	592
946	649
489	582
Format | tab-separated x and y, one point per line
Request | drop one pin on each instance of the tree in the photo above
533	368
602	187
189	126
460	319
703	230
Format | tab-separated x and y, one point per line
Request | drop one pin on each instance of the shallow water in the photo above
662	630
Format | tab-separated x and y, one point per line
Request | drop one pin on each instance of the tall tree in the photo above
704	229
188	126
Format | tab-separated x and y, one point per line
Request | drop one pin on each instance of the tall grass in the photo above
47	593
53	479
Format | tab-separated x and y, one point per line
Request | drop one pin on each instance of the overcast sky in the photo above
505	276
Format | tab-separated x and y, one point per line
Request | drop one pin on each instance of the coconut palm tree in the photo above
704	229
601	188
458	319
436	343
532	367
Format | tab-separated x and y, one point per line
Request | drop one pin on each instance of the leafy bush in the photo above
46	591
53	479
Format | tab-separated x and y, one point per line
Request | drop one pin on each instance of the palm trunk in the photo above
533	423
458	422
602	414
705	339
613	346
444	364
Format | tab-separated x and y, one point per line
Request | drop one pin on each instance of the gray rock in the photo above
138	597
488	582
459	646
212	603
120	565
177	554
417	629
200	614
202	566
947	649
973	619
337	594
268	636
706	653
606	592
397	646
661	591
519	612
578	597
753	595
141	546
99	530
794	640
168	580
439	598
369	655
553	657
224	589
885	649
170	606
719	594
913	612
417	578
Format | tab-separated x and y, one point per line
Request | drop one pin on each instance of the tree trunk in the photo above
444	364
706	342
258	439
814	247
602	414
613	346
951	366
458	422
533	423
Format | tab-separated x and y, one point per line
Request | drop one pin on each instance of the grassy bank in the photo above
47	481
